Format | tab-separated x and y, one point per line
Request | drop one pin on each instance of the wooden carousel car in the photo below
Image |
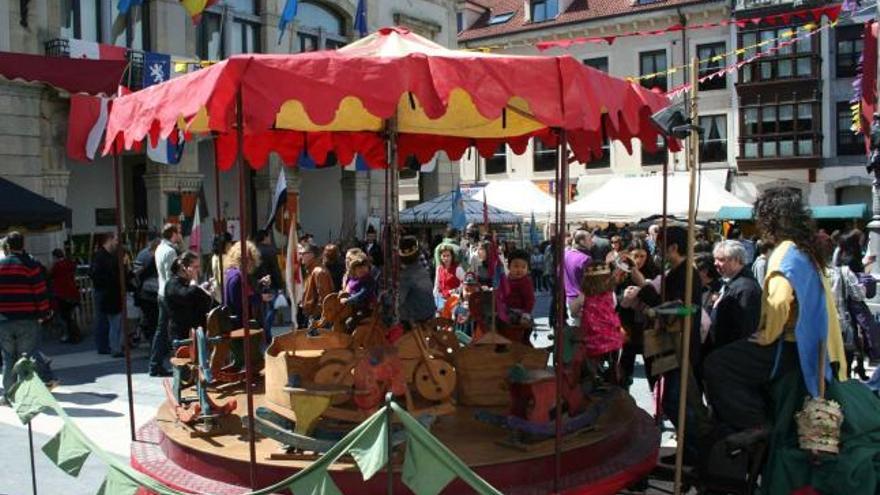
191	367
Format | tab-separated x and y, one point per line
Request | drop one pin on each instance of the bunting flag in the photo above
196	239
360	19
832	12
811	30
195	8
86	124
428	466
95	51
165	151
868	100
358	165
287	16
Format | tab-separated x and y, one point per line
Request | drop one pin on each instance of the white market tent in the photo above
438	211
522	197
630	199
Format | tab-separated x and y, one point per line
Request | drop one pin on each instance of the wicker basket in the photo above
818	425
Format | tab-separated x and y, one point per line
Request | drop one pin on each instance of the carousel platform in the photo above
621	448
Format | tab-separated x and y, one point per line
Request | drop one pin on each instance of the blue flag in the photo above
123	6
287	16
358	165
459	219
305	161
157	68
360	19
165	151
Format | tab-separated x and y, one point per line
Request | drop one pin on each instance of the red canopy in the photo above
436	99
71	75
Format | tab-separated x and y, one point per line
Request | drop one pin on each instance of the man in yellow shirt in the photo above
798	318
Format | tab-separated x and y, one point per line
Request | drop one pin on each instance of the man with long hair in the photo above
798	318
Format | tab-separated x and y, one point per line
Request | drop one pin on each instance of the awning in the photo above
833	212
23	209
522	197
438	211
72	75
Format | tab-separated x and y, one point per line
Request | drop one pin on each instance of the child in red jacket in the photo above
520	296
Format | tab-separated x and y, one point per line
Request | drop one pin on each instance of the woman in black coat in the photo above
188	303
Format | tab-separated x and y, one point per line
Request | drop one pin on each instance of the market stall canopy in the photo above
629	199
72	75
438	211
522	197
833	212
23	209
347	100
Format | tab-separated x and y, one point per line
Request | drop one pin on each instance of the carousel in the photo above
522	420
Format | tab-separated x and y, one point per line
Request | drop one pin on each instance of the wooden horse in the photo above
370	332
219	326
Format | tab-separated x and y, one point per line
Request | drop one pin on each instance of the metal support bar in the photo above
245	287
120	252
693	149
561	200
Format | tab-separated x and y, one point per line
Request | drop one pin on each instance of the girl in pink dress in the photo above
599	321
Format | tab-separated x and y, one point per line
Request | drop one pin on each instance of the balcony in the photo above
133	77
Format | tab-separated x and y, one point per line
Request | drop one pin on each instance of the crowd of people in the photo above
747	300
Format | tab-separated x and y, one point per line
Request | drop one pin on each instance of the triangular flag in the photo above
67	450
279	198
360	18
423	472
370	450
29	395
287	16
117	483
316	483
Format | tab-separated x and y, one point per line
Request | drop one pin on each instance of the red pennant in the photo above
771	19
786	18
609	39
755	20
833	12
817	14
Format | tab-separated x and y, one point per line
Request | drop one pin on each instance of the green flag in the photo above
423	471
370	449
117	483
29	396
315	483
67	451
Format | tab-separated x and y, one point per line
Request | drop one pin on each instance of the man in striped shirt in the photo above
24	305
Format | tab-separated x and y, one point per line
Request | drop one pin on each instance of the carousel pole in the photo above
122	291
693	149
218	228
561	192
394	225
245	287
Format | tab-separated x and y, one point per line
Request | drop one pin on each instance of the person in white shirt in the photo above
165	255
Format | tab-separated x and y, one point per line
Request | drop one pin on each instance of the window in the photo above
848	142
545	157
500	18
132	29
659	157
799	60
598	63
81	19
229	29
781	129
498	163
713	140
459	22
713	56
544	10
319	28
849	50
653	62
210	39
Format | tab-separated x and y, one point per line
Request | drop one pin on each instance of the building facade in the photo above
801	91
334	203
